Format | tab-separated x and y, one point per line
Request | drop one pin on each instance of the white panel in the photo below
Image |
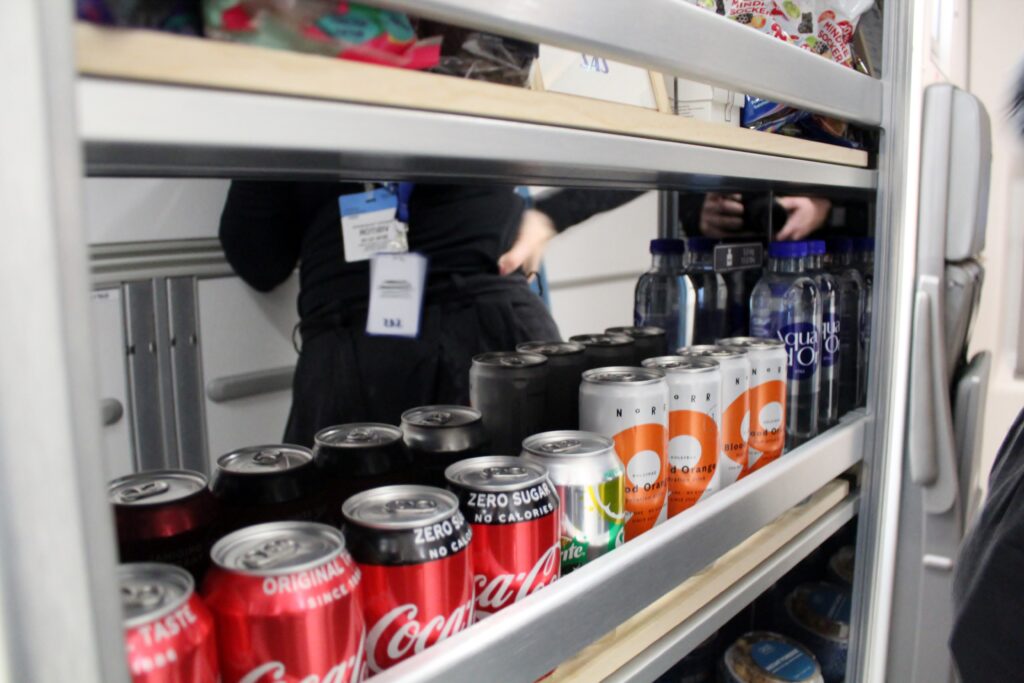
593	267
147	209
112	376
241	331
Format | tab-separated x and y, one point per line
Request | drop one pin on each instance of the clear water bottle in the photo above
785	305
710	294
828	334
851	295
865	261
662	293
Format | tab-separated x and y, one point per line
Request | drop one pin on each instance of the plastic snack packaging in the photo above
328	27
481	56
175	16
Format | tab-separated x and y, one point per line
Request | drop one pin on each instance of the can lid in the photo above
155	487
440	416
623	375
602	339
743	343
551	348
150	590
394	508
358	435
637	332
269	459
567	443
681	364
495	473
277	548
711	351
510	359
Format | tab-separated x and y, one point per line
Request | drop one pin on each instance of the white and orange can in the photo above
767	435
630	406
694	397
734	422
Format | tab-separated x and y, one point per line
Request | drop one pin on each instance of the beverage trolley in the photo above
84	101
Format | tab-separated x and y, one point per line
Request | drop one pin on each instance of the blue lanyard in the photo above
403	191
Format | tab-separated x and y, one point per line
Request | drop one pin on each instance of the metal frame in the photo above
676	38
59	614
164	130
633	577
678	642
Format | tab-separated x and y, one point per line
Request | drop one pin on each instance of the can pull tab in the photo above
360	436
270	553
143	491
438	418
504	472
142	596
561	446
410	506
267	458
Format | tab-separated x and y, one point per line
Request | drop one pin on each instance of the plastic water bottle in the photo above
851	295
710	295
785	305
662	293
865	261
831	359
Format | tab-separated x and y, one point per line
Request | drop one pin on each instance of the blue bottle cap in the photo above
864	243
787	249
701	245
840	245
816	247
667	246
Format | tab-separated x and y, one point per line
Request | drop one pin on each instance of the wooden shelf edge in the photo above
170	59
608	654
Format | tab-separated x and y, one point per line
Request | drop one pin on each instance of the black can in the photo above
648	341
437	436
607	350
509	389
356	457
164	516
566	363
272	483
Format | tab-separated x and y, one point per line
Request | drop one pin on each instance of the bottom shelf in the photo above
648	644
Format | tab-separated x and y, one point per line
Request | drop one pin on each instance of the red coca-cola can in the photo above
284	598
512	508
412	545
164	516
168	632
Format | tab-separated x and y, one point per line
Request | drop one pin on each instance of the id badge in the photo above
397	282
369	224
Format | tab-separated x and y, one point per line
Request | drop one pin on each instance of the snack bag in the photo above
758	14
836	22
716	6
796	19
329	27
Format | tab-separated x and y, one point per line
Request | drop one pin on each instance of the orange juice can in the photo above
629	405
734	422
767	431
694	397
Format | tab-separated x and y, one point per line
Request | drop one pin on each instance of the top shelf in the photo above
674	37
154	104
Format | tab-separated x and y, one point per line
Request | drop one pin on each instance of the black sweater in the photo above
267	228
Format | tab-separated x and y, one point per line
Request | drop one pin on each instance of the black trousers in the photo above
344	375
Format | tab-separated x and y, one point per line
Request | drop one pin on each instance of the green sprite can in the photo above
590	482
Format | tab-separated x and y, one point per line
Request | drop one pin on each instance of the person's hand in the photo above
535	230
805	215
721	215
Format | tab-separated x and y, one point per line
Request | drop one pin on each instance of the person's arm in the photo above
566	208
261	232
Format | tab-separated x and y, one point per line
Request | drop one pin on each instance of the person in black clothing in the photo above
472	304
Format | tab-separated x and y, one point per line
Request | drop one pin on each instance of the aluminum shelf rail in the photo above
673	646
532	637
674	37
141	129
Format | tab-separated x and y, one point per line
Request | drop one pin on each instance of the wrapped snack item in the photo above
758	14
836	22
481	56
175	16
328	27
716	6
796	18
765	657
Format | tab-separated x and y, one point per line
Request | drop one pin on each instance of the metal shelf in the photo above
674	37
534	636
676	644
142	129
